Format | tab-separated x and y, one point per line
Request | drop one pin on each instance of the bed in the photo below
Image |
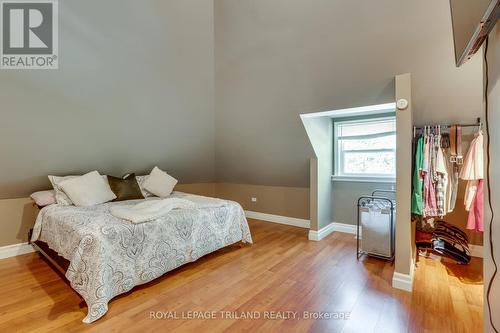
106	256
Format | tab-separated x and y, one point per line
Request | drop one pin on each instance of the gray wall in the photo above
494	105
135	88
276	59
345	197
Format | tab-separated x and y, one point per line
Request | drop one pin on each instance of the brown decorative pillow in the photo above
125	188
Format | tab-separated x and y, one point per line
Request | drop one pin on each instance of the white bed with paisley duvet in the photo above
109	256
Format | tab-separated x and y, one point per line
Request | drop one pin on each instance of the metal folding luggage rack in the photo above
382	203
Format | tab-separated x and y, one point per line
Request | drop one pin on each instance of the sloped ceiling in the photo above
276	59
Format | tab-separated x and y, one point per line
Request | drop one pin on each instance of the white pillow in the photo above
61	197
160	183
87	190
44	198
140	181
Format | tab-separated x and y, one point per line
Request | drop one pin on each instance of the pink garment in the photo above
475	220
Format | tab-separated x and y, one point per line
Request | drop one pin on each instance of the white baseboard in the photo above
293	221
322	233
476	250
404	281
332	227
344	227
302	223
15	250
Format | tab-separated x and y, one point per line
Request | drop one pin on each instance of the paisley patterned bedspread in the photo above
109	256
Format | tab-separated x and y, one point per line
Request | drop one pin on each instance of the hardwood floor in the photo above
282	271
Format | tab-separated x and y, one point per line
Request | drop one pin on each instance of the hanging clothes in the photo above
425	154
446	151
452	185
436	146
473	172
441	184
454	172
475	221
425	172
436	163
417	202
455	156
430	206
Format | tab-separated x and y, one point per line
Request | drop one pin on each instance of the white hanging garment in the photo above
442	183
473	168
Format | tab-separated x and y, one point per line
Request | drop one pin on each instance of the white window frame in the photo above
338	160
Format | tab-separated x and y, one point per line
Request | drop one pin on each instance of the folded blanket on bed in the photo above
149	210
153	209
204	202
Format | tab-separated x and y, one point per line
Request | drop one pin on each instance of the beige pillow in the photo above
159	183
140	181
61	197
87	190
44	198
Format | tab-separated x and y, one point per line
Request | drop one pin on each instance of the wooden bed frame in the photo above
60	263
54	259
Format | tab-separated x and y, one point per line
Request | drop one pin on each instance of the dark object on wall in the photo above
472	21
125	188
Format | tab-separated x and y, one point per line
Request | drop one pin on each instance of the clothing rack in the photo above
440	127
478	123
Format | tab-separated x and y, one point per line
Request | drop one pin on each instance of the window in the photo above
365	149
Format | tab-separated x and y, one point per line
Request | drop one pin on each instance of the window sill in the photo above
387	180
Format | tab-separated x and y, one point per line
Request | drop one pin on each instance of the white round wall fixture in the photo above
402	104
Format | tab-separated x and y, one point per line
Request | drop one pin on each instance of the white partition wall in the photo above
405	245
